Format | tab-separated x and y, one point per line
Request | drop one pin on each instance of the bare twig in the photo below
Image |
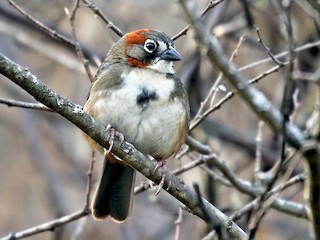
99	13
200	115
178	224
89	181
198	146
266	199
248	207
267	49
53	52
306	76
258	160
248	188
15	103
202	160
41	26
184	31
230	95
49	226
280	55
216	176
206	215
78	49
210	236
266	73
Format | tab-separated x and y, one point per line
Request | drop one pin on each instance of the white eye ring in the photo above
150	45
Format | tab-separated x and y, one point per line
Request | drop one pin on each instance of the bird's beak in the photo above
171	54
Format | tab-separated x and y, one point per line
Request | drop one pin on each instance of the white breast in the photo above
152	129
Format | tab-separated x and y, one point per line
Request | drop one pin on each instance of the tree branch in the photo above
41	26
49	226
15	103
99	13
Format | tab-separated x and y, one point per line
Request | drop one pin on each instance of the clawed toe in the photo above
113	134
161	184
160	164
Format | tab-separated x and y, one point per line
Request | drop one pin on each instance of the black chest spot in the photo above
145	97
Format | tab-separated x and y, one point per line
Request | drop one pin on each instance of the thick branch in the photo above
75	114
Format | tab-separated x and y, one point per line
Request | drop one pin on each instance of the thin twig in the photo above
99	13
267	49
143	186
49	226
280	55
15	103
178	224
202	207
41	26
210	236
230	94
248	207
89	181
198	146
77	47
306	76
266	199
184	31
258	160
216	176
213	92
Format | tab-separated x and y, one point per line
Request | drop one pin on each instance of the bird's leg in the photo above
161	163
113	134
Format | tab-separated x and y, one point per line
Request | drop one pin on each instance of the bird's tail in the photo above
114	193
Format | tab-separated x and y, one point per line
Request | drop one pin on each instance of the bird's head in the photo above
146	48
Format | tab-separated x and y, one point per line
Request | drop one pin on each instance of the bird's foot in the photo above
164	166
113	134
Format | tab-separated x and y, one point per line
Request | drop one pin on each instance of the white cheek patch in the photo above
162	46
162	66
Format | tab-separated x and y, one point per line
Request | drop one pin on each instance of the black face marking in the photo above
151	45
145	97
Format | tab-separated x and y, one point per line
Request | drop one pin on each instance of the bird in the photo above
136	94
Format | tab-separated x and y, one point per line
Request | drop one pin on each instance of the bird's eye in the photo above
150	45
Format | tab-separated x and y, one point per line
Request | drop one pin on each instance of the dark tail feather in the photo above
114	193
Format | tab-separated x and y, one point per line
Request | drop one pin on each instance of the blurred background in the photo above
44	159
